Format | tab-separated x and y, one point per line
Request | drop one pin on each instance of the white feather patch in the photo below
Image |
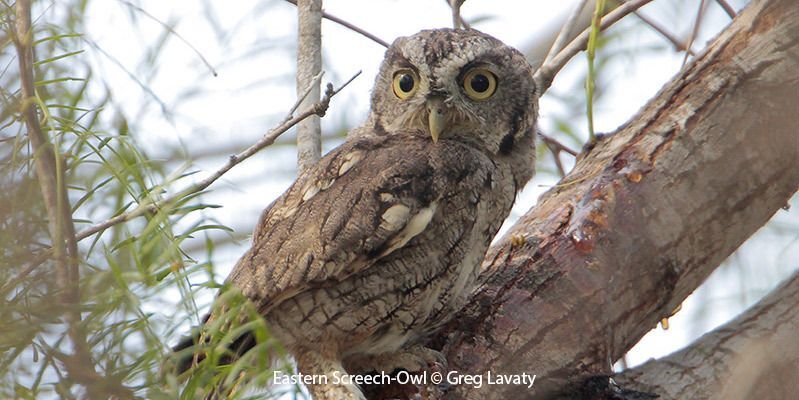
317	187
419	221
415	226
395	217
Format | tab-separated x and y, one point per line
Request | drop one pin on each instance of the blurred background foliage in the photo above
128	96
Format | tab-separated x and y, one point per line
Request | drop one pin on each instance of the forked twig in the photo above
550	141
727	8
457	20
349	26
565	31
678	44
546	73
695	30
319	108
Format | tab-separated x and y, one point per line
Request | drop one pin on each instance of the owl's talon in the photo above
432	359
421	358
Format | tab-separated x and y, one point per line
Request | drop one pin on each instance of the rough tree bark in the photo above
645	216
755	356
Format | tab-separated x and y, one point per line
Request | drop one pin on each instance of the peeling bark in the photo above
645	216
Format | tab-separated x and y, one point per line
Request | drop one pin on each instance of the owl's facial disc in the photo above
454	86
436	118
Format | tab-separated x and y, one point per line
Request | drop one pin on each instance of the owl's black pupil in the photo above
406	83
479	83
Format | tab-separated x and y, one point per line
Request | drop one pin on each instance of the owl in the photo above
378	245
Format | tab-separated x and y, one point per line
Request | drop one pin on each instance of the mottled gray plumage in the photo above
378	245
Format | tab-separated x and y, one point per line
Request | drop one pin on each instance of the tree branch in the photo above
43	152
645	216
727	8
50	170
546	73
566	32
319	108
754	356
695	30
457	20
349	26
555	147
678	44
309	64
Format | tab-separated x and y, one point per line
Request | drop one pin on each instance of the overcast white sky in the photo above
252	93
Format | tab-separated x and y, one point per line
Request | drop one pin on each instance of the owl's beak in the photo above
436	117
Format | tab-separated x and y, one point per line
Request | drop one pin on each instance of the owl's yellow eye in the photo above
405	83
480	84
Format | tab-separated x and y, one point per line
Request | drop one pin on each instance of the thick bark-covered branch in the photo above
646	215
755	356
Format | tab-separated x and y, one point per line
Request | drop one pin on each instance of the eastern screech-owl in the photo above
379	244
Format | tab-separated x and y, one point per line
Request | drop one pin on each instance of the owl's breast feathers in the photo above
364	201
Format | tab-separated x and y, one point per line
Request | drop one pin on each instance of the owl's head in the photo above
455	85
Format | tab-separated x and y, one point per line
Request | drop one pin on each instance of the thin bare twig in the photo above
558	163
566	31
555	147
313	83
230	148
172	31
727	8
546	73
319	108
457	20
349	26
309	64
695	31
37	260
678	44
550	141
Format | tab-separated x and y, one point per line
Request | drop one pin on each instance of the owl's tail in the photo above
188	352
189	357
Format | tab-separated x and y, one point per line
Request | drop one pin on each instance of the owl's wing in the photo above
360	203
